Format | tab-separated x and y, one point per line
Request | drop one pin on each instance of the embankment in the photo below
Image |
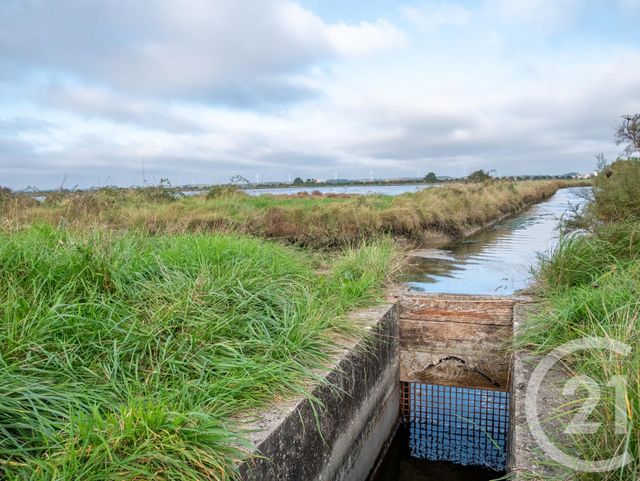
589	289
430	216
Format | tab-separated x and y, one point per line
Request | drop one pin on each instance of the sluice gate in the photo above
455	377
436	369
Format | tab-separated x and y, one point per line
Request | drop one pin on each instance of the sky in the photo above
120	92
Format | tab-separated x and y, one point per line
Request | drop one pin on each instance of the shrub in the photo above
5	193
163	192
616	191
479	176
224	191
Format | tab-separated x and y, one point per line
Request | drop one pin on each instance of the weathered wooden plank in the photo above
456	340
486	313
453	337
479	311
461	371
455	297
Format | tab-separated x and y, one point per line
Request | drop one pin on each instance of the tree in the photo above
629	133
430	177
479	176
298	181
5	194
238	180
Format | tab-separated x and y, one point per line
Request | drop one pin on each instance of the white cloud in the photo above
190	88
231	51
365	37
548	14
432	16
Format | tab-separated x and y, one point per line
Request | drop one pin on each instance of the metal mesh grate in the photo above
463	425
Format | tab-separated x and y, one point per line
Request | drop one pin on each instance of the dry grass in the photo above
318	221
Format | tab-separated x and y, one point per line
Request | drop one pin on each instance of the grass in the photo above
125	356
590	286
318	221
130	356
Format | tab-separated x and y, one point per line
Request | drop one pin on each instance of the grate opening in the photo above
461	425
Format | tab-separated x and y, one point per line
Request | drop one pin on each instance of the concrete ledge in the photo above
340	437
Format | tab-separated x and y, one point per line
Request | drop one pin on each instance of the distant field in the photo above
318	221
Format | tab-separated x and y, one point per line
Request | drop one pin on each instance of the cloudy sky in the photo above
199	90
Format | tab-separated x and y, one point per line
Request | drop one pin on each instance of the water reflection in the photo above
399	464
345	189
333	189
499	259
462	425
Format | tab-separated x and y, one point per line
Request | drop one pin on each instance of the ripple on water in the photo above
498	260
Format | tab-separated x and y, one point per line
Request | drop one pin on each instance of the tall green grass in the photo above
590	286
125	356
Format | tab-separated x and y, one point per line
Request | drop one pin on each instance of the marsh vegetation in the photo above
316	221
590	287
136	326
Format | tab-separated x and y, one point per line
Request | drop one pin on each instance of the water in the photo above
448	433
337	189
345	189
466	426
499	259
400	464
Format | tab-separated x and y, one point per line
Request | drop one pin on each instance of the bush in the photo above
479	176
616	191
223	191
5	193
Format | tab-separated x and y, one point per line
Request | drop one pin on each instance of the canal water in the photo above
402	464
499	259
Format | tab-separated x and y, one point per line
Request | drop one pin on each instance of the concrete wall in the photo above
340	439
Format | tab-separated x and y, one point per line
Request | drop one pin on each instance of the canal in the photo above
498	260
465	441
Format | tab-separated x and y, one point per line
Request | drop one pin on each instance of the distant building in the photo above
588	175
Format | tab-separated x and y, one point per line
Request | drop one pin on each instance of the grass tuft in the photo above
125	356
590	286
